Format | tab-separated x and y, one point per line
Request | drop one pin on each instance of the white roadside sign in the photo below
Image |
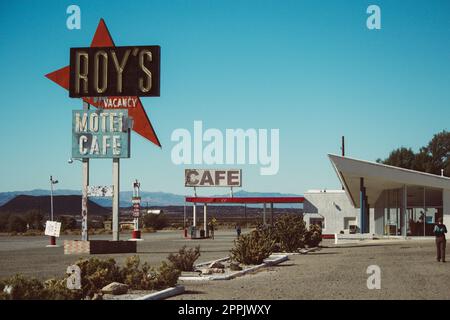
52	228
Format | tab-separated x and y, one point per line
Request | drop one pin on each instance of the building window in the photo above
318	221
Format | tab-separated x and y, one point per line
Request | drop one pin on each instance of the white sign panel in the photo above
213	178
100	191
52	228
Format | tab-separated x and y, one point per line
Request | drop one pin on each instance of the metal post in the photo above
367	216
52	182
194	215
361	205
343	152
424	213
51	198
115	204
271	213
184	215
245	215
264	214
204	218
194	212
84	196
405	211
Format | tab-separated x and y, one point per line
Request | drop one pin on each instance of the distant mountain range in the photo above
62	204
158	199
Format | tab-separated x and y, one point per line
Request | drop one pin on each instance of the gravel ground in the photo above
408	271
408	268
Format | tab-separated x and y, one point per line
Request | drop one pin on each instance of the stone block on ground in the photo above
115	288
216	265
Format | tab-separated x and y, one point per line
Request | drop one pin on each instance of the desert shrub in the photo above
289	232
34	219
148	230
134	274
16	224
67	223
254	247
313	236
144	277
165	276
4	217
96	273
19	287
33	233
56	289
185	258
155	221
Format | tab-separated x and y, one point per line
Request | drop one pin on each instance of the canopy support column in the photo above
362	205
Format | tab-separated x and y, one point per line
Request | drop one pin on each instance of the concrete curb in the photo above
209	262
302	252
271	261
163	294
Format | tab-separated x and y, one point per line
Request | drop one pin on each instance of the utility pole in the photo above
52	182
343	152
84	195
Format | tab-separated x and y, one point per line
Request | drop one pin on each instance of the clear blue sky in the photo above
310	68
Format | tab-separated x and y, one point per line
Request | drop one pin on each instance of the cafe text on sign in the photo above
212	178
115	71
100	134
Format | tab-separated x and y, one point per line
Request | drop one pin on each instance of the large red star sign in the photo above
142	124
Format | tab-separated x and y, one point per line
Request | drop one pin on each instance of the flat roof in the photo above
379	177
244	200
325	191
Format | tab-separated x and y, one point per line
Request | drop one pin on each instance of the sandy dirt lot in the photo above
408	271
408	268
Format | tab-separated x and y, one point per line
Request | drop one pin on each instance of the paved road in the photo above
28	255
408	271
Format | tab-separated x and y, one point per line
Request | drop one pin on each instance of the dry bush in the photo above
185	258
290	232
254	247
313	236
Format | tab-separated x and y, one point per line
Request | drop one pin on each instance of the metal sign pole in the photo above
51	198
84	196
115	204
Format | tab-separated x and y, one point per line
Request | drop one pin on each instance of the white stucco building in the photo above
379	199
331	209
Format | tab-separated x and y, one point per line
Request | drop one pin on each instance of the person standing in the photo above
439	231
238	230
212	227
